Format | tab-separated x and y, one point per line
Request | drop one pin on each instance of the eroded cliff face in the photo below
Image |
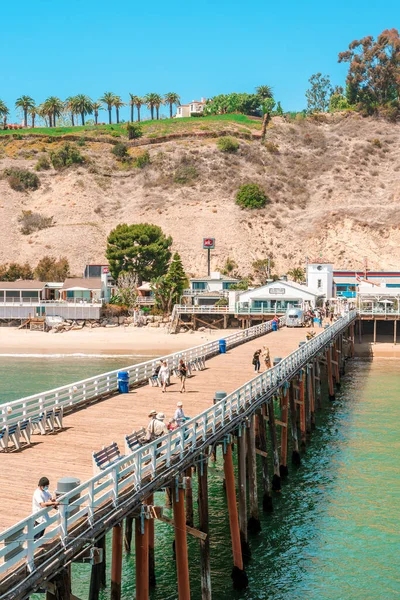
334	189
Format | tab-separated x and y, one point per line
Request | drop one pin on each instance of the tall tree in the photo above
169	288
108	100
3	113
374	72
297	274
172	98
138	102
53	106
319	93
69	105
132	98
33	113
50	269
142	248
15	271
150	100
117	103
264	91
96	106
25	103
83	106
267	107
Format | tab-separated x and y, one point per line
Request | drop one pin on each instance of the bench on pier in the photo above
14	433
154	381
48	420
135	440
104	458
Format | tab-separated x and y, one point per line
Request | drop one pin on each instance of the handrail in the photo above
80	392
152	461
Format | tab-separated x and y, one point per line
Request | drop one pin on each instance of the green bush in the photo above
134	131
271	147
31	222
251	195
66	156
120	151
186	172
228	144
21	180
142	160
43	164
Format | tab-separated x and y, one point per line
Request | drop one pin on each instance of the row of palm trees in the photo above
81	106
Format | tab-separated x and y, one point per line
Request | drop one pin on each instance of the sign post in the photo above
209	244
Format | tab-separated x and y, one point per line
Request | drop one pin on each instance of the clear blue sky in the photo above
197	49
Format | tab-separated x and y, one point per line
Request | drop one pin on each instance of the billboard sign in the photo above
209	243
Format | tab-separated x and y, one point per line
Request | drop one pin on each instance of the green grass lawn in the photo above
150	128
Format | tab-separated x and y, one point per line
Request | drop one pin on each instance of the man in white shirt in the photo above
179	415
42	498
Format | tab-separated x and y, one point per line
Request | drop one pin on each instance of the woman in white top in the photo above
163	376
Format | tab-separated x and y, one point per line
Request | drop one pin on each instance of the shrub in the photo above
43	164
142	160
120	151
186	172
377	143
251	195
31	222
228	144
21	180
66	156
134	131
81	142
271	147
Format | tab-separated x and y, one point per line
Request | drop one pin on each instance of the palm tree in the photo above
83	105
297	274
25	103
96	107
158	101
3	113
108	100
265	91
69	105
117	103
138	101
53	107
33	112
150	101
172	98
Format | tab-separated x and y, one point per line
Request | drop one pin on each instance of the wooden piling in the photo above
189	500
352	340
239	576
360	331
142	558
317	387
253	524
202	475
151	537
98	572
310	392
182	563
303	429
276	479
283	469
336	355
296	460
395	332
128	534
330	374
60	586
374	331
262	436
242	485
116	562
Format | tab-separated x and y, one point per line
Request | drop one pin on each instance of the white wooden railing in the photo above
109	488
74	394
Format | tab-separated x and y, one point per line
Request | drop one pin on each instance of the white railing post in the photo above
91	502
114	476
63	522
30	545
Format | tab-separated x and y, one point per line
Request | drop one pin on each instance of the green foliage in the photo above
31	221
268	106
264	91
134	131
338	102
15	271
169	288
319	93
120	151
228	144
377	143
142	249
297	274
21	180
251	195
142	160
43	164
262	268
271	147
186	172
279	110
222	301
231	103
66	156
242	285
230	266
51	269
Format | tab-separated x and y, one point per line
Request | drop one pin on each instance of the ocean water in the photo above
334	532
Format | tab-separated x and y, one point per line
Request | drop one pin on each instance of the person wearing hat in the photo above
159	426
179	415
150	435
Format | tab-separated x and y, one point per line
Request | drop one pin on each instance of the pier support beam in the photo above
395	332
241	450
330	374
151	538
239	576
98	572
116	562
60	586
283	469
142	558
253	524
276	479
296	460
374	331
262	436
317	387
128	534
352	340
202	474
360	331
189	500
310	395
303	431
336	355
182	563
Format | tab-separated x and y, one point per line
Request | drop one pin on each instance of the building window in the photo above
226	285
319	284
199	285
192	107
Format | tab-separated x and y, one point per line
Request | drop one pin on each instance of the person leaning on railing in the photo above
42	498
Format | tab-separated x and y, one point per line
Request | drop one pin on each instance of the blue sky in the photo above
197	49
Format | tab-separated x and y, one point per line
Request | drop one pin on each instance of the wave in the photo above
75	355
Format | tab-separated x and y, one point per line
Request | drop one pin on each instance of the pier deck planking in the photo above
69	452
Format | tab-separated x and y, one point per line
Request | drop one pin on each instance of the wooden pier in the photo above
246	414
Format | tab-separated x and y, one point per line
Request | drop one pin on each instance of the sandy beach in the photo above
384	348
101	341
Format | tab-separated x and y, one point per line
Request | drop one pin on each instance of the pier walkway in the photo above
69	452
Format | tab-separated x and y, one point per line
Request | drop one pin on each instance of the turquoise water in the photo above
334	534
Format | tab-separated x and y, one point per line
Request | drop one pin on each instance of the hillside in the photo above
333	182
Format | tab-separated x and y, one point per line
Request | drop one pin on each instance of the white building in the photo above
195	107
320	278
208	290
277	297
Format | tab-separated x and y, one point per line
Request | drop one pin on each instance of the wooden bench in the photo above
154	381
13	433
48	420
135	440
104	458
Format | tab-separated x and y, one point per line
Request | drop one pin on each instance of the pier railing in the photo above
87	390
146	468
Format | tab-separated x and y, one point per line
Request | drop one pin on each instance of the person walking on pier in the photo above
179	415
150	435
256	360
267	358
163	376
42	498
182	372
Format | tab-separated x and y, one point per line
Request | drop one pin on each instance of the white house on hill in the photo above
276	297
195	107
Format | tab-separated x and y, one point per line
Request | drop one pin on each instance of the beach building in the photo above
346	283
145	295
82	290
276	297
209	289
194	108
